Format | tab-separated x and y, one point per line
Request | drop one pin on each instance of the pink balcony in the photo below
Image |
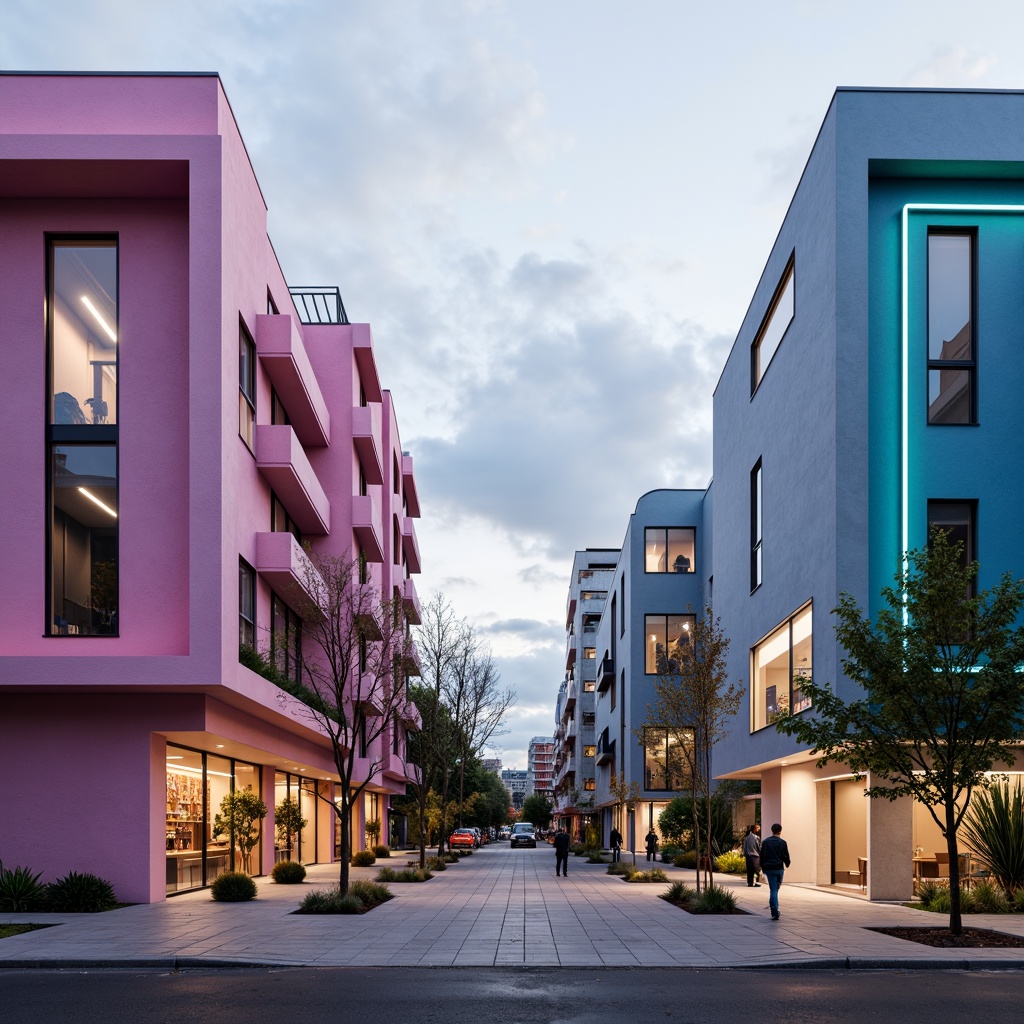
413	665
366	526
410	545
283	355
281	561
411	603
367	438
370	697
362	350
284	466
410	715
412	500
367	610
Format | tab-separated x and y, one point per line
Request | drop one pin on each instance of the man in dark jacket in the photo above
616	841
562	853
774	861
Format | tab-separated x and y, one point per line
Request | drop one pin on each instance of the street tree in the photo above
537	810
354	661
942	701
693	706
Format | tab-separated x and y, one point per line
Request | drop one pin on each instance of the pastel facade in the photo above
176	430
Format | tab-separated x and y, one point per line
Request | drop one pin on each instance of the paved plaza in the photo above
502	908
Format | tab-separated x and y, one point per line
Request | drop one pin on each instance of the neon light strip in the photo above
92	497
908	209
99	319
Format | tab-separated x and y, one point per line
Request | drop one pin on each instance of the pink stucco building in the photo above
175	424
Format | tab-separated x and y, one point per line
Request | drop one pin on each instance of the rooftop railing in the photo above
319	305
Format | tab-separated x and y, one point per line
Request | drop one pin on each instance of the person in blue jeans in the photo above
774	861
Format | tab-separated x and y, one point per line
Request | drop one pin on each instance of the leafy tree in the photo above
943	702
694	704
538	810
288	820
676	822
355	656
241	812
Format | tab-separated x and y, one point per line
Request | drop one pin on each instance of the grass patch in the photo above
7	930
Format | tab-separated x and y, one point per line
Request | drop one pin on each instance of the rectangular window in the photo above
664	760
957	520
951	343
589	685
246	387
83	540
779	663
82	436
774	325
755	527
246	604
590	750
589	785
278	413
280	521
285	639
669	549
589	653
667	642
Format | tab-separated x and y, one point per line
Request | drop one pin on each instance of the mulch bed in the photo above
972	938
717	913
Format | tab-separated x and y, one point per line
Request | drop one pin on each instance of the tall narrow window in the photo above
956	519
755	526
246	604
951	346
82	436
246	387
774	325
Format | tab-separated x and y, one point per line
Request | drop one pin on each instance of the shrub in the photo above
370	894
20	890
654	875
940	903
363	859
685	860
1018	901
233	887
288	872
620	868
994	827
382	851
405	875
80	894
679	892
988	898
577	849
668	854
676	822
436	864
731	863
595	857
329	901
713	900
927	893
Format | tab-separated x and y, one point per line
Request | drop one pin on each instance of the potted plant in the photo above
288	821
240	815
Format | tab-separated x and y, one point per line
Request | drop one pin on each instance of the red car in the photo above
462	838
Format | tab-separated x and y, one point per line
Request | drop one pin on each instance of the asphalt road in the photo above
511	996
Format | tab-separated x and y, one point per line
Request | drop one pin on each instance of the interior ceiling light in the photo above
99	319
96	501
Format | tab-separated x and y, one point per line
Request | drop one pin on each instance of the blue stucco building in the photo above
873	390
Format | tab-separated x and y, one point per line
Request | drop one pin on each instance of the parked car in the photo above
523	834
504	832
462	838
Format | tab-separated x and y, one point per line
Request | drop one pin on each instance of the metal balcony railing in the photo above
319	305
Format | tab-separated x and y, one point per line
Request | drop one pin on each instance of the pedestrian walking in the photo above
561	853
616	840
752	852
774	861
651	842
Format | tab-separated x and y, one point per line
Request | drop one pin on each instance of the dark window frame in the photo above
669	569
757	371
756	525
969	366
247	386
246	626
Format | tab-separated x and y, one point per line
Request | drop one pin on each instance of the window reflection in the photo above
779	664
950	328
83	555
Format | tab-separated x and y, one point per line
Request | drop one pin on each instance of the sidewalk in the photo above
502	908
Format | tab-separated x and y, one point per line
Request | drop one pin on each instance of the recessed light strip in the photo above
99	319
96	501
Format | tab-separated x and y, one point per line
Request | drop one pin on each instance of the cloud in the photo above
950	66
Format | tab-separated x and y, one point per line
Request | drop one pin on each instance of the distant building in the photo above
541	763
517	781
492	764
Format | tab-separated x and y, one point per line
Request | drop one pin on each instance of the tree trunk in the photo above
956	926
345	813
422	802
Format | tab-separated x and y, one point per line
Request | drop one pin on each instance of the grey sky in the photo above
552	212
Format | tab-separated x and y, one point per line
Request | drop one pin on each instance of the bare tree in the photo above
354	662
694	704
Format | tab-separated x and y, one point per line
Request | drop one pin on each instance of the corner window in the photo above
669	549
246	604
951	347
779	663
82	436
755	526
667	642
774	325
246	387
